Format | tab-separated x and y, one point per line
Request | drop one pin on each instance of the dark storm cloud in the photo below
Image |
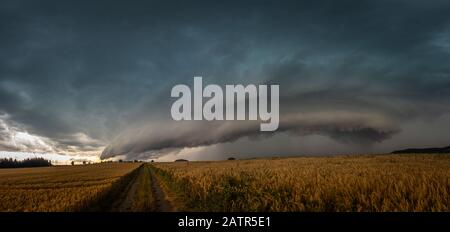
341	126
86	75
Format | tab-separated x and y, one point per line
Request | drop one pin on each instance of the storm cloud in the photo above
341	126
95	77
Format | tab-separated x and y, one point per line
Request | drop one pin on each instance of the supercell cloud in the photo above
95	78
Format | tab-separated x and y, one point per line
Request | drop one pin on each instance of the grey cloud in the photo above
13	138
342	126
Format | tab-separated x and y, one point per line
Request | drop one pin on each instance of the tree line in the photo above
30	162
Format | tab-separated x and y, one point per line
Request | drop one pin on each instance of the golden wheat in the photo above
64	188
343	183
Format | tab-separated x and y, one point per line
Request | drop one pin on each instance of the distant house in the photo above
181	160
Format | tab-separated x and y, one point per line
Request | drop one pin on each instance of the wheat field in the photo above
375	183
340	183
64	188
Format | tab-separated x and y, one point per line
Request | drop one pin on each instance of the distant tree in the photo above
136	161
152	161
120	161
84	162
73	163
181	160
231	158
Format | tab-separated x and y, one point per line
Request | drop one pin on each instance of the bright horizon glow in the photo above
56	159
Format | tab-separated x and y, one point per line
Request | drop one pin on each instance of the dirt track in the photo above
162	204
157	202
127	203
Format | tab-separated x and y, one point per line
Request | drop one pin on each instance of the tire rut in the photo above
162	204
127	204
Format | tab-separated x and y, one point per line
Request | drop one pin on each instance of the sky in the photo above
92	79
